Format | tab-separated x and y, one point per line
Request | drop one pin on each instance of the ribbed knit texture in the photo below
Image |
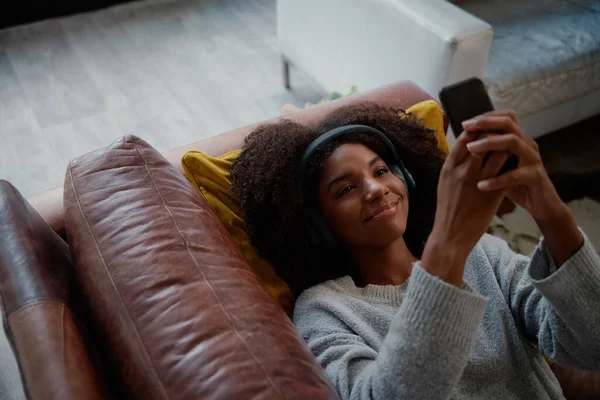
427	339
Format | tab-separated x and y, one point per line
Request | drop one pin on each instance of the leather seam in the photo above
209	284
34	303
148	360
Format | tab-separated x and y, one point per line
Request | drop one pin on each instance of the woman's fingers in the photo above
459	151
527	176
493	164
510	139
479	137
507	143
502	122
472	165
503	113
492	123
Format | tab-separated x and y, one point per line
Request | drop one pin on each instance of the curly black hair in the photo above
264	181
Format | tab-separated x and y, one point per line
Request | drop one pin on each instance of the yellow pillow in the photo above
431	115
210	175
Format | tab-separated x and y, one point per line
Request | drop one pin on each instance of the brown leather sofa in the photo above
150	298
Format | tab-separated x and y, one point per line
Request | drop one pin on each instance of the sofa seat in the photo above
544	53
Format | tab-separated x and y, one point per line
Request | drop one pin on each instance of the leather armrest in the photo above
37	293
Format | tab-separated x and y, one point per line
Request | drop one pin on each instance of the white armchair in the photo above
544	61
369	43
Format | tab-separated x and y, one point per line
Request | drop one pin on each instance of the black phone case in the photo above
481	104
452	93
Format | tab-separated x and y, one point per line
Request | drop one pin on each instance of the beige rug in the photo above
522	234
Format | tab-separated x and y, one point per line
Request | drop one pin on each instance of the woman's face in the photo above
364	202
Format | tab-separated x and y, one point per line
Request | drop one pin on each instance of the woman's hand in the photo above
463	212
528	185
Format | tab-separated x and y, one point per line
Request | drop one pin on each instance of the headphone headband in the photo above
336	133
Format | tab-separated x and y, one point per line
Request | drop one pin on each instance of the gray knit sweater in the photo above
426	339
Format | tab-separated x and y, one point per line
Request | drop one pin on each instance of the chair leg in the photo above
286	72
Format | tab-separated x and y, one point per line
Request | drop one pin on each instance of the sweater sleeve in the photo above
556	307
422	356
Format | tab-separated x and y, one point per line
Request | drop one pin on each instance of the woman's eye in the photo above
344	190
381	171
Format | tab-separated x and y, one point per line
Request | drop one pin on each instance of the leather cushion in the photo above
179	309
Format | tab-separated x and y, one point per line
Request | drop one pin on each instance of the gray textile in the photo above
544	52
427	339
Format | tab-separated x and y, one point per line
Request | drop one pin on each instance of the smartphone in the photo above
467	99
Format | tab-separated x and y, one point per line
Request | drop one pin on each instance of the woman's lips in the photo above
384	211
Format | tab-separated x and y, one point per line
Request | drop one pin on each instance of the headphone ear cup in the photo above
401	172
319	230
310	223
398	172
330	239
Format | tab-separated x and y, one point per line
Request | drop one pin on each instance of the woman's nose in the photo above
374	190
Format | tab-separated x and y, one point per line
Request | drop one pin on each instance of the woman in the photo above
412	299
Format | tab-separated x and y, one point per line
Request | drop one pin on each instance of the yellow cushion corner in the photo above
210	175
431	115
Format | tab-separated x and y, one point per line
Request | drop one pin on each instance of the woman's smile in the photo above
385	211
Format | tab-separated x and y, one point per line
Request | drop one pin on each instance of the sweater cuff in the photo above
573	279
433	305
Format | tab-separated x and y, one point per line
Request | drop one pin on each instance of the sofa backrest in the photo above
397	95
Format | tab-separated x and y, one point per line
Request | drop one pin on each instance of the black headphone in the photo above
318	228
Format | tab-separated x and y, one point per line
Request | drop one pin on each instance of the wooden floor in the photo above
171	72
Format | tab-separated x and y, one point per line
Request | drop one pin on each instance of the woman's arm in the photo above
577	384
557	308
423	354
528	185
49	204
561	235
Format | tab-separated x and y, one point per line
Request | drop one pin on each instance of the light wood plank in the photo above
171	72
51	75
